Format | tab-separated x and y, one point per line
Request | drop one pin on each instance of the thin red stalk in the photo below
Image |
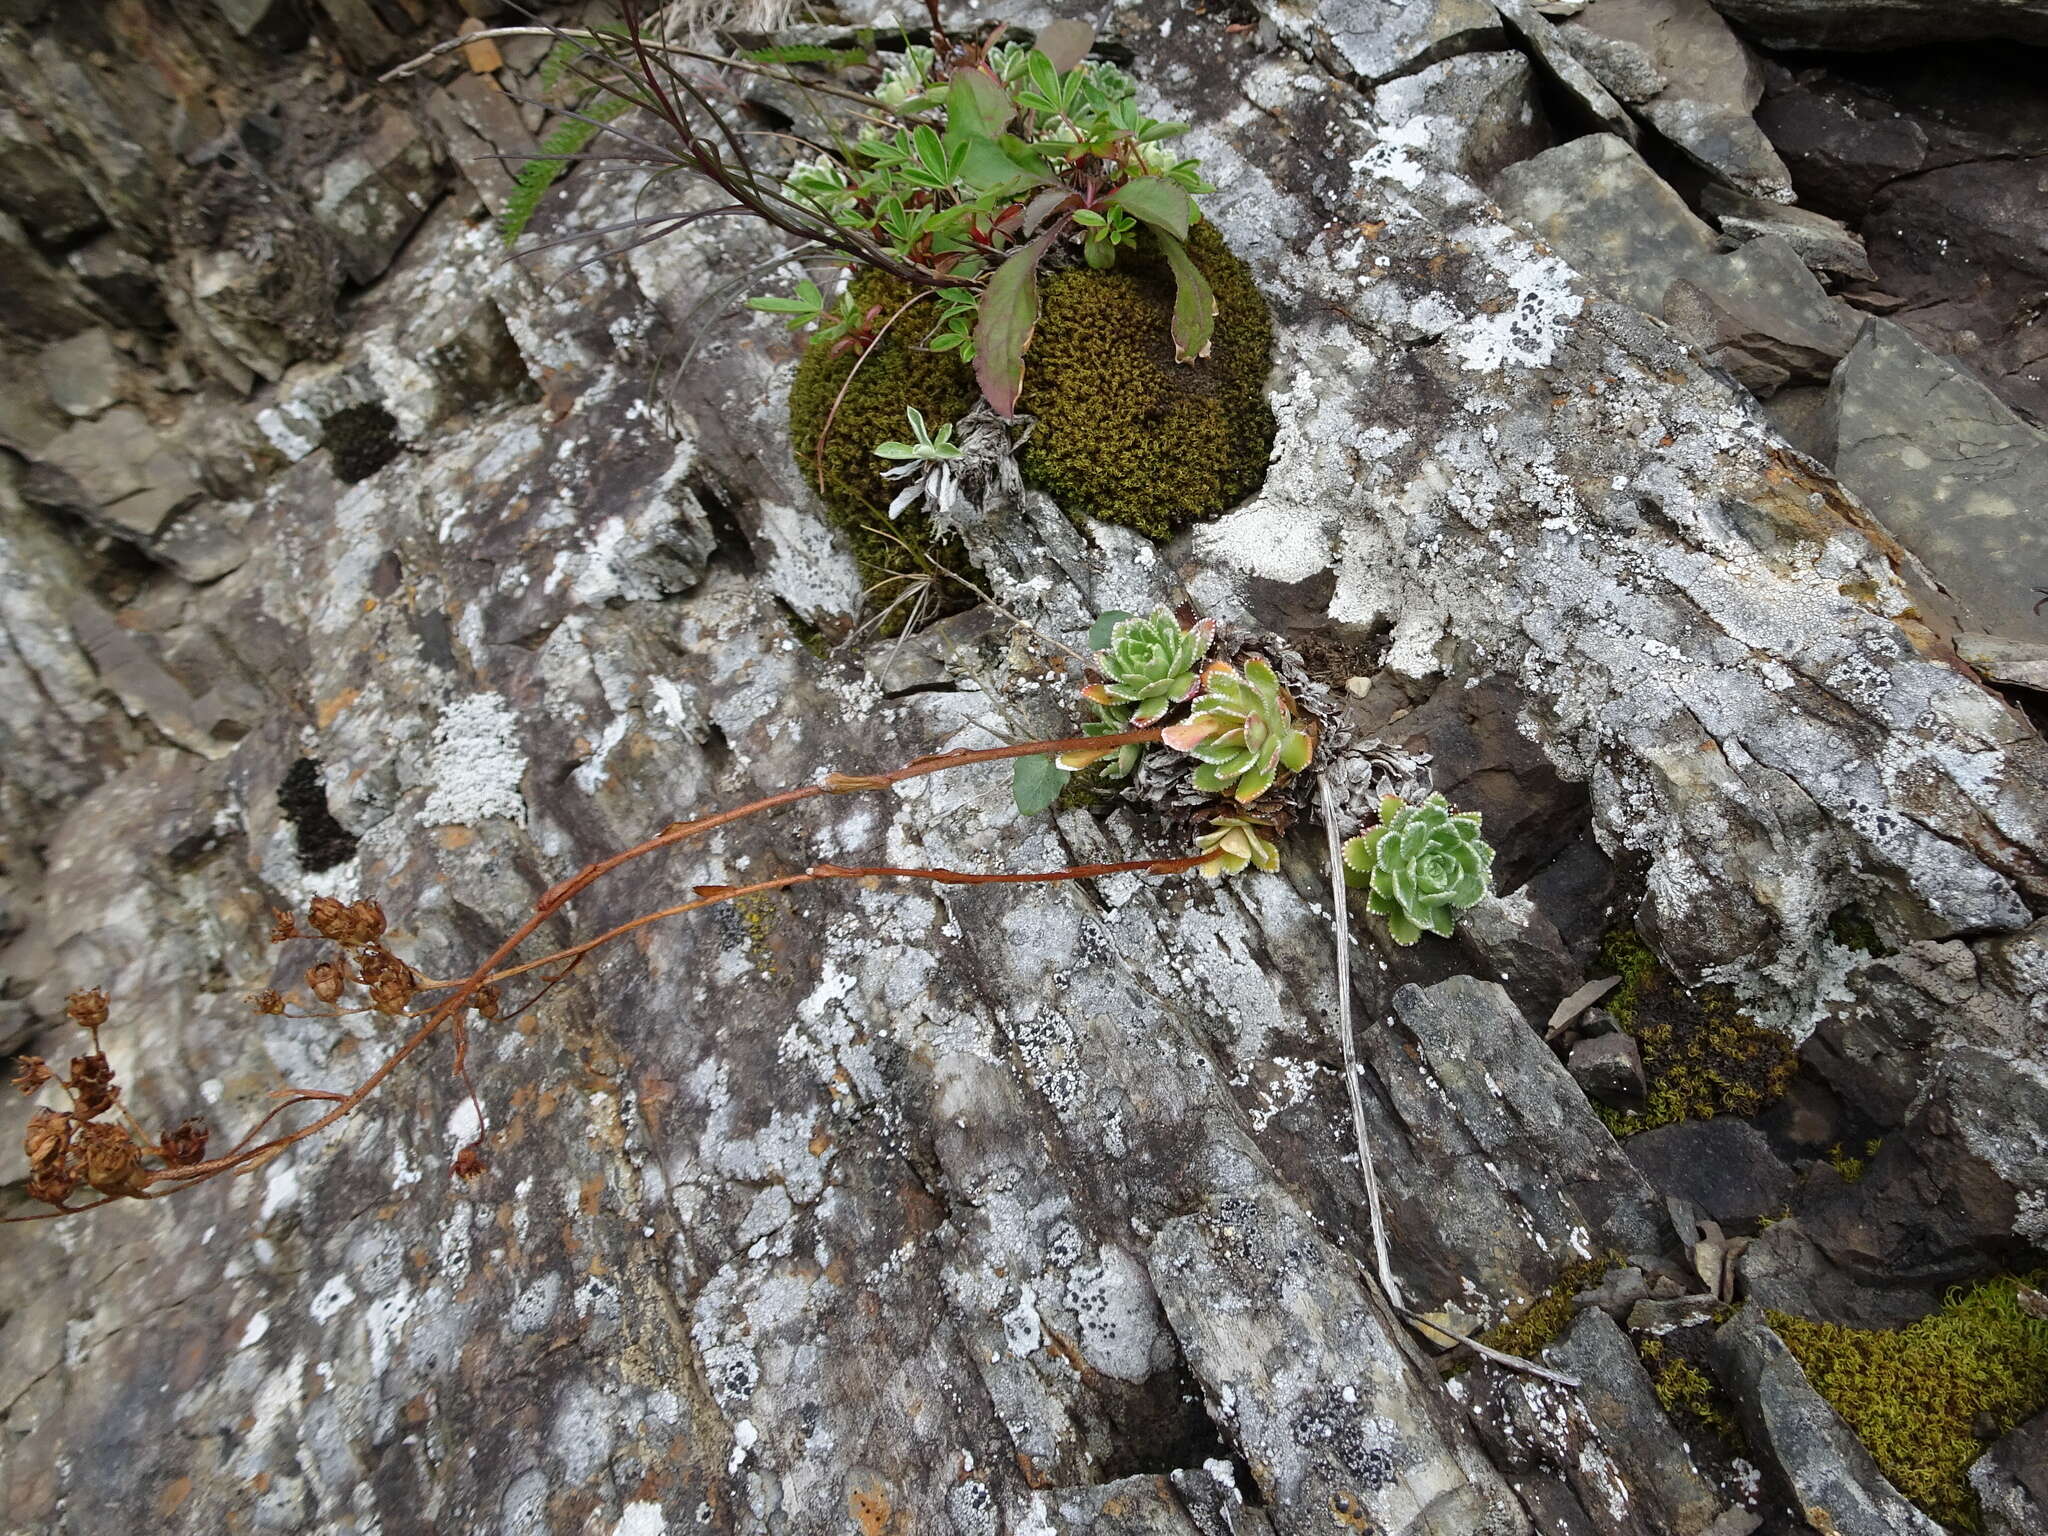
564	890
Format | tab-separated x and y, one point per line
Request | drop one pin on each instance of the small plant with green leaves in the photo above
1233	844
1420	867
1150	665
926	462
1245	731
999	160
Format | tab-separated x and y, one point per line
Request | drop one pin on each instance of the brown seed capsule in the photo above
326	981
469	1162
113	1163
353	924
47	1140
486	1000
88	1010
283	926
31	1075
267	1001
92	1085
390	980
53	1186
184	1144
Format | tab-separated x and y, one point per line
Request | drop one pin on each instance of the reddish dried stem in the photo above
244	1156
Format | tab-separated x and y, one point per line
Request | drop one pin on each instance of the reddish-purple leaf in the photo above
1009	314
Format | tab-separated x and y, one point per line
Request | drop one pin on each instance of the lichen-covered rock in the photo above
961	1208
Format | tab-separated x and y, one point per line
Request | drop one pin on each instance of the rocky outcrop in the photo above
975	1208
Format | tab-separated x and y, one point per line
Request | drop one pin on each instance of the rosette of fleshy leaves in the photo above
1109	721
1232	843
1244	731
1150	665
1421	866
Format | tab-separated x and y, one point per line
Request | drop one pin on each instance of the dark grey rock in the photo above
1755	310
1565	69
120	281
1853	25
1801	1438
1710	82
1952	472
1758	312
115	470
2011	1480
1606	212
1610	1068
1724	1166
38	302
375	194
1824	244
38	188
82	373
1804	415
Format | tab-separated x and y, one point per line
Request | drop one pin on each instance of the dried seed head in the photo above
53	1187
88	1010
486	1000
47	1140
113	1163
92	1085
350	925
326	980
469	1162
183	1144
390	980
31	1075
283	926
267	1001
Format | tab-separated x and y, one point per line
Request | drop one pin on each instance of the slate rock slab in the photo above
1803	1440
1953	472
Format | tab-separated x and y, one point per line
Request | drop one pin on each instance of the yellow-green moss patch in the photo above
1919	1396
841	464
1124	432
1542	1320
1702	1056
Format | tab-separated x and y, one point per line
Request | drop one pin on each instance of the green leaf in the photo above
1104	628
986	167
977	107
1036	782
1194	303
1160	203
1066	43
1009	314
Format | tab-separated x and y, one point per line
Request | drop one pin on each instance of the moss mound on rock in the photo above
1125	432
897	374
1928	1399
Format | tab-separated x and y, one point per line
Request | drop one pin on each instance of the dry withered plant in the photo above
93	1143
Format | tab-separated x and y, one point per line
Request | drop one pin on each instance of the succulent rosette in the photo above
1110	720
1231	843
1150	665
1243	731
1421	866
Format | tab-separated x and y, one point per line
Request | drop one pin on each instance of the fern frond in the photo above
541	172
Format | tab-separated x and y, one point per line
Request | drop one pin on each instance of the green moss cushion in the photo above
1127	434
1124	432
897	374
